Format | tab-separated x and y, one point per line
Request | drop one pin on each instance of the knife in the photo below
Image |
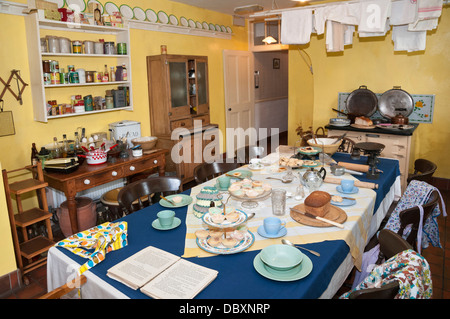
318	218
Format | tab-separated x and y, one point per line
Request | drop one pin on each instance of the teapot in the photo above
313	179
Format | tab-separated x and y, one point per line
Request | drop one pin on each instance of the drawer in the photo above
395	146
140	166
187	123
98	178
203	118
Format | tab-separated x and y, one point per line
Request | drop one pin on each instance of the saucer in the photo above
282	232
175	224
345	202
353	191
186	200
296	273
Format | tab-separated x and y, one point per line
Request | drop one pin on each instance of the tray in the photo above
245	243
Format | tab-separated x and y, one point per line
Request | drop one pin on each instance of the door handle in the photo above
229	109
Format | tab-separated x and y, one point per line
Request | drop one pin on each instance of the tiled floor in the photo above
439	260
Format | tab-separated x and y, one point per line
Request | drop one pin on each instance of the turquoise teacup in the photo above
166	217
224	181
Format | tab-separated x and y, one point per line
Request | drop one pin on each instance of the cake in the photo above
364	121
229	242
337	199
202	234
318	203
207	195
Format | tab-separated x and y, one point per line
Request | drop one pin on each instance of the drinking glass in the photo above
278	202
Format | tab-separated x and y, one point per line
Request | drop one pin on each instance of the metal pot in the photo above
361	102
313	179
400	119
396	102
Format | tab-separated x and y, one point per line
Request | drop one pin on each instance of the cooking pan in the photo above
361	102
395	102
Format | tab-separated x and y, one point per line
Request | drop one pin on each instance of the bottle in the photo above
34	154
56	152
124	73
65	148
105	75
112	75
77	145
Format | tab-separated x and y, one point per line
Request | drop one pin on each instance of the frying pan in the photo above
395	102
361	102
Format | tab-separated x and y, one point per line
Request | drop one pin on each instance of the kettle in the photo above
313	179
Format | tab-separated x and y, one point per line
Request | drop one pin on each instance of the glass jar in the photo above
109	102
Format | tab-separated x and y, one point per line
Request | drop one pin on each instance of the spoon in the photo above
287	242
250	216
285	181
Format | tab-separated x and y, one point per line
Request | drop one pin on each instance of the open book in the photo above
162	275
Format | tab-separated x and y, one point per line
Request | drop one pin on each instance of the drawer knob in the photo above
155	161
132	168
87	182
114	173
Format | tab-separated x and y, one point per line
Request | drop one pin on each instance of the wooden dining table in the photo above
340	249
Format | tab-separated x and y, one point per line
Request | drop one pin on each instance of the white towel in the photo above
410	41
348	34
342	13
423	25
373	15
296	26
429	9
403	12
375	34
334	40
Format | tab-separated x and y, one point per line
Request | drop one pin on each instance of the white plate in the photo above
229	30
60	3
218	27
191	23
207	219
75	4
224	29
173	20
184	22
199	25
205	25
111	8
126	11
139	13
101	6
151	15
163	17
212	27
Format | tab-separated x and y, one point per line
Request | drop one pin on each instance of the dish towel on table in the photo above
409	268
296	26
373	15
410	41
94	243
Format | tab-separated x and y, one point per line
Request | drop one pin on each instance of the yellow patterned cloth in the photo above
355	232
94	243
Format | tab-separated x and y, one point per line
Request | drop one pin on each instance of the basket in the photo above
325	144
146	142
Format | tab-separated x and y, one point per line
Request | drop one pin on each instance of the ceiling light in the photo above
248	9
269	40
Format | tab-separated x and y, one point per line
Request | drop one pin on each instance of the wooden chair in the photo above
346	146
390	245
246	153
131	196
65	289
207	171
423	170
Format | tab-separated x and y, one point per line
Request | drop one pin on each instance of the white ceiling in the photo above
227	6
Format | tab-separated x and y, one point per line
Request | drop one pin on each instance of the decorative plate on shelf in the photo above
75	4
173	20
191	23
224	29
229	30
199	25
60	3
126	11
163	17
139	14
111	7
211	27
151	15
184	22
205	25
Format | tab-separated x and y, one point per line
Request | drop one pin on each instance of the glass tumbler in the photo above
278	202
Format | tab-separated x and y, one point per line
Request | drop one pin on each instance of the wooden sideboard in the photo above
89	176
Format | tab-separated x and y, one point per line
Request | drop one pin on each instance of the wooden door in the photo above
239	99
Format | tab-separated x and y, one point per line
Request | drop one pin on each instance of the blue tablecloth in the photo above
237	277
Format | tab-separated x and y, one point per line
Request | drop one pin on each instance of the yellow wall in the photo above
374	63
16	149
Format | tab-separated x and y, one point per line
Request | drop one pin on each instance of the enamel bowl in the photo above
281	257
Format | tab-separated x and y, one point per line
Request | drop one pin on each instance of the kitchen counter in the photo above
376	130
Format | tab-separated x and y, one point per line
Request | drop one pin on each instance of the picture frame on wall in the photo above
276	63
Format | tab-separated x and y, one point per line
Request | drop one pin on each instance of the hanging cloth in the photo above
94	243
296	26
373	15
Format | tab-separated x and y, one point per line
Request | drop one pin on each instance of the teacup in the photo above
166	217
273	225
347	185
224	181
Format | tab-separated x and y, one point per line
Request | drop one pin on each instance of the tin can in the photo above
63	78
73	77
122	48
89	76
54	78
97	77
47	78
54	66
109	48
109	100
76	47
88	106
46	66
70	68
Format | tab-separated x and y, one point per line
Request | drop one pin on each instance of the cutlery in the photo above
285	181
168	200
318	218
287	242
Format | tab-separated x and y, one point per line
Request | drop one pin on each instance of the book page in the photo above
138	269
182	280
